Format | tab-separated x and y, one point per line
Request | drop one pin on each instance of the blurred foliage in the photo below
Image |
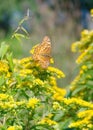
82	85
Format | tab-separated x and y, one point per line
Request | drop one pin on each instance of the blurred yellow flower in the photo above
3	96
3	67
11	128
32	102
91	12
14	127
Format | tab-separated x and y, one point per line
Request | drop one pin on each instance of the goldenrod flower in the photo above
3	96
14	127
25	60
56	106
38	82
3	67
84	33
78	102
25	72
59	93
47	121
11	128
56	71
75	46
32	102
84	67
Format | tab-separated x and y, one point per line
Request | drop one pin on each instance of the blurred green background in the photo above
61	20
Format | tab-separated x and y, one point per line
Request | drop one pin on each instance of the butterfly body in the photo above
42	53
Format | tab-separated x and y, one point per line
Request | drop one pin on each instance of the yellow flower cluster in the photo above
53	81
85	113
59	73
87	116
84	67
38	82
84	33
14	127
86	55
78	101
25	60
7	102
25	72
27	63
3	96
56	106
3	67
81	58
59	93
32	102
75	46
48	121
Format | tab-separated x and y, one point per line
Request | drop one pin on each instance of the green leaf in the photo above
3	50
24	30
89	84
2	80
10	60
78	89
18	36
59	116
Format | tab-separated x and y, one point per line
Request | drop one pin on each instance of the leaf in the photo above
65	124
24	30
18	36
2	80
3	50
59	116
10	60
78	89
89	84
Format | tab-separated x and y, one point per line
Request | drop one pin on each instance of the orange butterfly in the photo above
42	52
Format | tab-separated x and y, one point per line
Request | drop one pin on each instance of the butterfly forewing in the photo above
42	53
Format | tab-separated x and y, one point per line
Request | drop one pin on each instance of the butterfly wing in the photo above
42	53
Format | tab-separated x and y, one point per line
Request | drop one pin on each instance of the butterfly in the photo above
42	53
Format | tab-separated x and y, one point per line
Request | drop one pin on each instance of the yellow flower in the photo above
52	60
86	113
59	93
84	67
91	12
81	57
32	50
38	82
11	128
75	46
25	60
3	67
32	102
56	71
47	121
78	102
25	72
3	96
53	81
56	106
14	127
84	33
